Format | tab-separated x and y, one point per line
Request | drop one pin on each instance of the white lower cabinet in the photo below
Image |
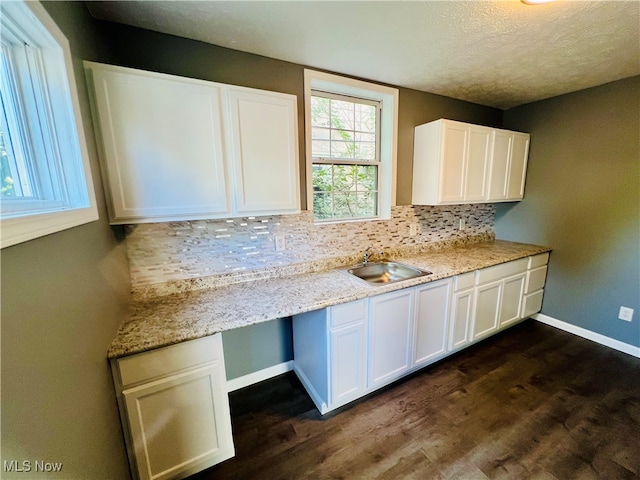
431	320
344	352
175	409
390	328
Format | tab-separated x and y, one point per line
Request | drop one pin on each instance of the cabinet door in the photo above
487	309
511	305
453	161
180	424
431	321
162	145
498	177
389	336
518	166
461	315
348	364
477	164
264	143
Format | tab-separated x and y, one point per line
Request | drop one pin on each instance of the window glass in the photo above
345	150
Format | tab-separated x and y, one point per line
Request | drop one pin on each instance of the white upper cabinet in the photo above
175	148
508	166
455	162
264	146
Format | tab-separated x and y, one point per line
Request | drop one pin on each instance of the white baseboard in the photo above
588	334
259	376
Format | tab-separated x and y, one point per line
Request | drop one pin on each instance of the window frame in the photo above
388	131
49	126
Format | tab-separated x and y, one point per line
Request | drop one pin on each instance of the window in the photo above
45	183
345	141
351	147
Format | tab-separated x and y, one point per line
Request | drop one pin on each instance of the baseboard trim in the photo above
259	376
588	334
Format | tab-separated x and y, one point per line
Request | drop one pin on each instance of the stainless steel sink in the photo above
386	272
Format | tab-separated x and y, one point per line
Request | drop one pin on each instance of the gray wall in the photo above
63	297
582	199
270	343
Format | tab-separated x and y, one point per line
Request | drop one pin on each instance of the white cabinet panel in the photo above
162	145
431	321
264	142
180	422
508	166
511	304
461	318
348	364
455	138
518	166
478	159
487	309
502	144
535	279
389	336
532	304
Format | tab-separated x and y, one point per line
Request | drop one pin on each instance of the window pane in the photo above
320	108
350	126
367	204
345	191
322	206
365	118
13	168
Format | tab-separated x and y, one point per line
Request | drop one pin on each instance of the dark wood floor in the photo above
532	402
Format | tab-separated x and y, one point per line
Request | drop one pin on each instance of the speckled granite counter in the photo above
192	310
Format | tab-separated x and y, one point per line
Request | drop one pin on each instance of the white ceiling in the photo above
496	53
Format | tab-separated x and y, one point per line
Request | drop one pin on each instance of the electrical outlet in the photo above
625	314
280	243
462	224
413	229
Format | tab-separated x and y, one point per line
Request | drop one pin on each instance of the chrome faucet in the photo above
365	256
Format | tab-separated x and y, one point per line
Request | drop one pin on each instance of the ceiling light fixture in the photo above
535	2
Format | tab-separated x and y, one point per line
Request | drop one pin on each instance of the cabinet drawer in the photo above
464	281
348	313
538	260
501	271
532	304
169	360
535	279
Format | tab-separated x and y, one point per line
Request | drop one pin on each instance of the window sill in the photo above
21	229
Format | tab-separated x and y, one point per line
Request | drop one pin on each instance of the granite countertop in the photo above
189	311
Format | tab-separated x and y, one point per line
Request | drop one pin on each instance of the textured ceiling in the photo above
496	53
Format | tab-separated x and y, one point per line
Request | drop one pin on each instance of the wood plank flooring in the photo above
532	402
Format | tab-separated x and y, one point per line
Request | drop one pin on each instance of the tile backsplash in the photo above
163	252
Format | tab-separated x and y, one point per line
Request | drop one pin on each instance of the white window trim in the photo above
389	97
20	228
